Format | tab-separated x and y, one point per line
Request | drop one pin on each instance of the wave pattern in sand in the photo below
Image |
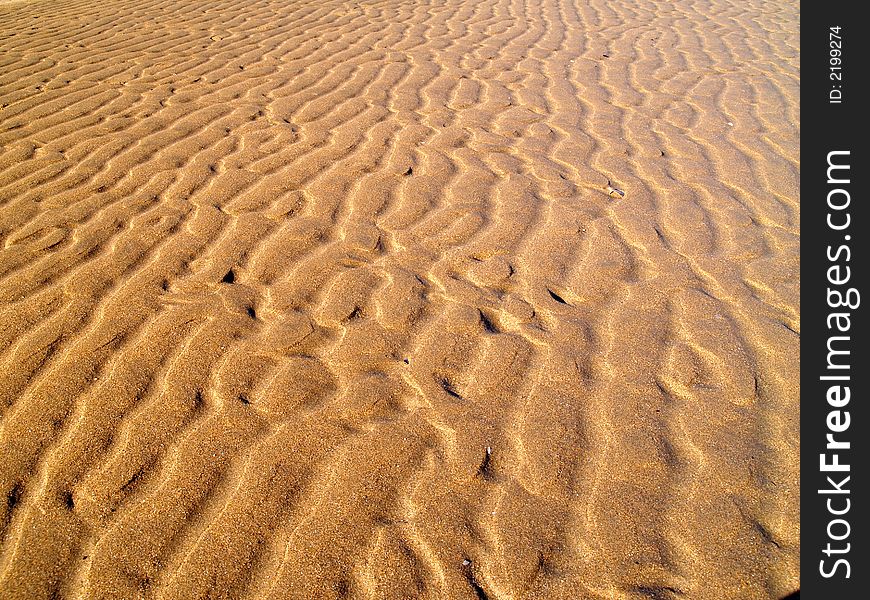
330	299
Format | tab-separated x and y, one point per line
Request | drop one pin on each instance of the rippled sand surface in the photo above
398	299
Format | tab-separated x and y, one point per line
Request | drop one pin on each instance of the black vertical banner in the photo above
834	343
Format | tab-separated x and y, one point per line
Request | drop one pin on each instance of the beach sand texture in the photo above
394	299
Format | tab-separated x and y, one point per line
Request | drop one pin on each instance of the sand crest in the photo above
396	299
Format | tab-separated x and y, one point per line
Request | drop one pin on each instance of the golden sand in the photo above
388	299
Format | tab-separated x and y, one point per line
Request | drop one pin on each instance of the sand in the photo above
393	299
